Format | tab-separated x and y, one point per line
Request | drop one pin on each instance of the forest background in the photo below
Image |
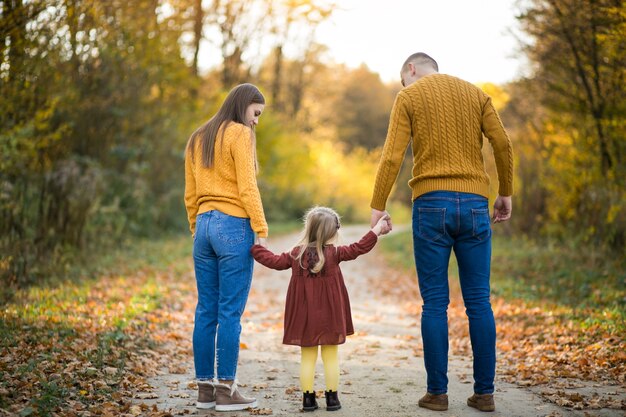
98	100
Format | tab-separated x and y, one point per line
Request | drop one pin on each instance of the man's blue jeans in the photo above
223	265
442	221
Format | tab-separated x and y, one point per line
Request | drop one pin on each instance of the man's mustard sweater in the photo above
446	118
230	184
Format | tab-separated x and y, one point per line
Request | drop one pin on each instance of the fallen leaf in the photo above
261	412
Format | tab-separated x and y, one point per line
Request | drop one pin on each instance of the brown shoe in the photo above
228	397
436	402
206	395
482	402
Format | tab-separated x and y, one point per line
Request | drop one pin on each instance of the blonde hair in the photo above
320	228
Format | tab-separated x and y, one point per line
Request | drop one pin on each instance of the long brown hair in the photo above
233	110
320	228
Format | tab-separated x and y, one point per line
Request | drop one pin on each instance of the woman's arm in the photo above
243	155
191	200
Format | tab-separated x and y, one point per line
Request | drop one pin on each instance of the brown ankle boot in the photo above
436	402
228	397
482	402
206	395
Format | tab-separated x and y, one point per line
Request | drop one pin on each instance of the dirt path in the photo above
382	365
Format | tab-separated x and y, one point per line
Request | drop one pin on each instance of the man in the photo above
446	118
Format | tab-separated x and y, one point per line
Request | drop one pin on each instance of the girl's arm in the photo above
347	253
350	252
266	257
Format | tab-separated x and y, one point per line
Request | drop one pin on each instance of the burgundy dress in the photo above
317	309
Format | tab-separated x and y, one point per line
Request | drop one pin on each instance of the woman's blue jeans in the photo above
223	265
442	221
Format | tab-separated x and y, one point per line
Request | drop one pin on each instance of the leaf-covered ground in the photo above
95	348
558	324
86	349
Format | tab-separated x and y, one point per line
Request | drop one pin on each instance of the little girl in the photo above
317	309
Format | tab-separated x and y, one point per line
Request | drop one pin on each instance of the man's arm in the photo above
503	154
398	138
502	150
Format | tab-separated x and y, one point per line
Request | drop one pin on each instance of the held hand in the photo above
377	215
502	209
261	241
382	226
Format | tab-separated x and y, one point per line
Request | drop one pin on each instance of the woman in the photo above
224	210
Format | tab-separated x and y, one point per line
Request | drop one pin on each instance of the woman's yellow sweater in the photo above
230	184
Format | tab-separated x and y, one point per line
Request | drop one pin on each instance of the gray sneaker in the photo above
228	397
206	395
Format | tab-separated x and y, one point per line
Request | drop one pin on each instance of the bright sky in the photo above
469	39
472	40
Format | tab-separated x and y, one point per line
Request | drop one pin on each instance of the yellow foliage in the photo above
344	180
499	97
313	169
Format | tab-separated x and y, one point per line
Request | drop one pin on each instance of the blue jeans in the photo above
223	265
442	221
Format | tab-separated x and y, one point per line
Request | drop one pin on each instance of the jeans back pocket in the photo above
232	230
431	223
481	229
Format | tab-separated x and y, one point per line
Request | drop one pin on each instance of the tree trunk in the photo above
197	32
72	22
15	12
595	101
276	82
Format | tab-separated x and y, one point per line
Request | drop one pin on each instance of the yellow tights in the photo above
330	357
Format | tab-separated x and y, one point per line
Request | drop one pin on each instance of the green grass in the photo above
283	228
589	283
122	258
578	278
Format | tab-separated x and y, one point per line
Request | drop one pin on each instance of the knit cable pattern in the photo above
445	118
229	186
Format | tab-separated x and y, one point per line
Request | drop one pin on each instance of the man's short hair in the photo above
420	58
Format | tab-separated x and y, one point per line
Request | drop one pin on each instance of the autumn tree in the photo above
294	23
99	98
93	97
579	48
577	51
363	108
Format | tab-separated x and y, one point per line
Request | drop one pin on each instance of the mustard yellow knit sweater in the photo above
446	118
230	185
